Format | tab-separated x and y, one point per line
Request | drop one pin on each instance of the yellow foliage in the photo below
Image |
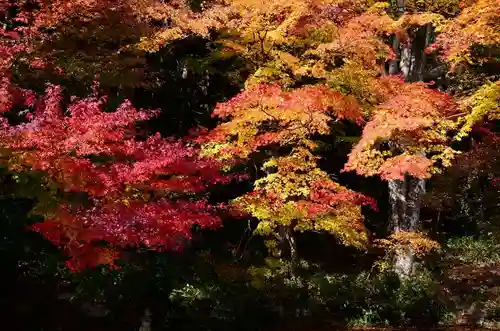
411	20
415	121
443	7
484	103
342	43
418	242
477	25
286	197
157	40
353	79
274	72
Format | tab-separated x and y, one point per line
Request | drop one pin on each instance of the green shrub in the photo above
473	250
276	294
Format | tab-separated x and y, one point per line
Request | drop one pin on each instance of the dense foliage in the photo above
249	163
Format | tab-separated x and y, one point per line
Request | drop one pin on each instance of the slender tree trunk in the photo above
418	56
286	240
288	245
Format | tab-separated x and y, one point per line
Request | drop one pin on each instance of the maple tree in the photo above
475	44
130	191
342	44
294	194
473	48
473	36
158	21
348	51
405	142
138	190
316	73
415	121
66	40
314	63
422	123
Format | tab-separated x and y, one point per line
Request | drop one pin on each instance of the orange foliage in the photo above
294	193
477	25
414	121
420	244
358	40
265	115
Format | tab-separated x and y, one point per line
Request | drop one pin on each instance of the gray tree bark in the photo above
406	196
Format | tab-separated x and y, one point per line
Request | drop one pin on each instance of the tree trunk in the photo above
418	57
288	246
405	197
286	241
393	64
146	321
406	61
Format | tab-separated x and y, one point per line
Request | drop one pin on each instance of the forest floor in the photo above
475	290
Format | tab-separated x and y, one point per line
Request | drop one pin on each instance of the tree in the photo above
426	135
75	41
293	194
112	187
471	37
405	142
314	64
344	45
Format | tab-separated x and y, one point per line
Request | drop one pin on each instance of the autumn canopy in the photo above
317	72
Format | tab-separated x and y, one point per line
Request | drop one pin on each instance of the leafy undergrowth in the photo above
275	296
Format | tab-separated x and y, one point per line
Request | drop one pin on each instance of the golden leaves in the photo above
352	79
484	103
177	19
418	242
294	192
477	25
273	17
359	41
157	40
300	195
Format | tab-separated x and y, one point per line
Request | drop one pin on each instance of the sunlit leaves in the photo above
417	242
300	195
175	17
294	193
265	115
483	104
474	36
401	131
